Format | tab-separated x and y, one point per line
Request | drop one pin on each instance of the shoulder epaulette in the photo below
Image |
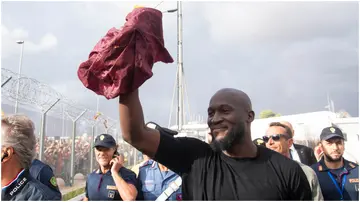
352	165
145	163
153	164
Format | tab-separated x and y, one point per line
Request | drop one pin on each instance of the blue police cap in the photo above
105	140
331	132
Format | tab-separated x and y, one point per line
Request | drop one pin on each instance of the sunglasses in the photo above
273	137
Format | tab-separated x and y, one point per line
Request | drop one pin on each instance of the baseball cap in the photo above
330	132
105	140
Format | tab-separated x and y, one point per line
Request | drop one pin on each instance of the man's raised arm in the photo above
132	124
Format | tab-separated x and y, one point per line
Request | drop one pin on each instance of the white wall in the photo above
307	127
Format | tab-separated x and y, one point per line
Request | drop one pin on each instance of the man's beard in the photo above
235	135
331	159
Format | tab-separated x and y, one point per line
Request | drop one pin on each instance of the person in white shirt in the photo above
300	153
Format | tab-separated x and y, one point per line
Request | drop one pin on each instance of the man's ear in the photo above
290	142
251	116
7	154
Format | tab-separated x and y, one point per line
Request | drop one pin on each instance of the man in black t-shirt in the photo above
232	167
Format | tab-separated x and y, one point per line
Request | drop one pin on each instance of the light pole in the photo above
180	71
180	114
19	73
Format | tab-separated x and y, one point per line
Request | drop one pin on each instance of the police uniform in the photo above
154	182
43	173
101	186
337	184
25	188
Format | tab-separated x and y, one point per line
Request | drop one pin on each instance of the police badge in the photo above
111	194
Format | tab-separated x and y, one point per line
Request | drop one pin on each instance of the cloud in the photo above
9	37
285	55
259	22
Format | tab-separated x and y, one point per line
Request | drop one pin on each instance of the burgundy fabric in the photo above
122	60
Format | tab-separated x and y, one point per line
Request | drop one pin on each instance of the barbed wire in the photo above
42	96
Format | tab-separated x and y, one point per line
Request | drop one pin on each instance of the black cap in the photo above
330	132
105	140
259	142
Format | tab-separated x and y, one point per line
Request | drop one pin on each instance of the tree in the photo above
342	114
268	114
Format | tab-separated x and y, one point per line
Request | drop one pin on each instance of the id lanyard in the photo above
341	191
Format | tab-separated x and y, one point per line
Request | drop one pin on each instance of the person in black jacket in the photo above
17	152
300	153
43	173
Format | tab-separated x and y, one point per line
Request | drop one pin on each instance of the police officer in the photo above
111	181
338	177
17	152
43	173
155	179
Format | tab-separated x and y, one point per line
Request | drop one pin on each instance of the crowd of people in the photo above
57	154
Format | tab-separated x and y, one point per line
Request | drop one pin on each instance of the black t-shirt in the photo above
210	175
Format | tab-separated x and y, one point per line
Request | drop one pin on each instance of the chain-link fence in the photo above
65	129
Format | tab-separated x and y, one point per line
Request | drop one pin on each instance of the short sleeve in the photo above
129	177
178	154
86	190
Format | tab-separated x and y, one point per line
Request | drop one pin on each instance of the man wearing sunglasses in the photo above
338	177
17	152
279	138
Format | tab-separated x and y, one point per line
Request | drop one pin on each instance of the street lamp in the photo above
180	71
19	73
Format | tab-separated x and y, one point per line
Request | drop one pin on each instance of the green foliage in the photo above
73	194
268	113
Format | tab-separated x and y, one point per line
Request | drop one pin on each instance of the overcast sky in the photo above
285	55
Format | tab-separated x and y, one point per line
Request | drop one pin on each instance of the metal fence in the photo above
65	129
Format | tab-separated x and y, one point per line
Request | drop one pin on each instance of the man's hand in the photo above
116	164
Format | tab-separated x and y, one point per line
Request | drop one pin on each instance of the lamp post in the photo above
180	71
19	73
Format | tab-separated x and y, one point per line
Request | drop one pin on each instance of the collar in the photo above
98	171
145	163
16	185
347	165
12	181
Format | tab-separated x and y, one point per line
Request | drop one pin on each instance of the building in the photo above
307	127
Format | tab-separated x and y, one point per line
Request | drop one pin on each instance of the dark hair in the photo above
288	130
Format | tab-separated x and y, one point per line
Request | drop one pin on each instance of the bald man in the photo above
300	153
231	167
